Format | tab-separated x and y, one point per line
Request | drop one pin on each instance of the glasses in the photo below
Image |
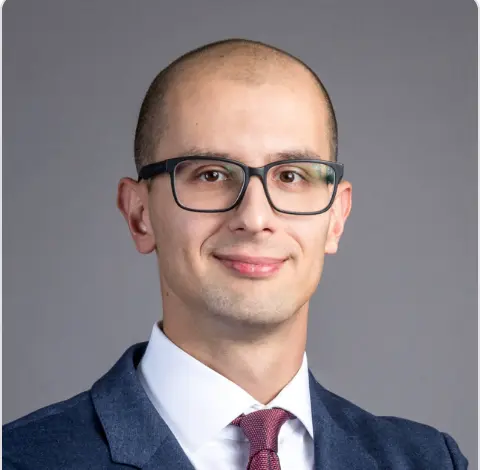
214	184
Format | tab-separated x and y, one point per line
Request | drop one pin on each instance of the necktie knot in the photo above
261	429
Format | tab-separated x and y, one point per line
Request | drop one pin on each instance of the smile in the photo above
254	267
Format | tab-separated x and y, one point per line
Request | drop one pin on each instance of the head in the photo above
255	104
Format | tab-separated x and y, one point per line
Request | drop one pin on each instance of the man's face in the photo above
252	124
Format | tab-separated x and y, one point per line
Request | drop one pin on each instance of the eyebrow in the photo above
285	155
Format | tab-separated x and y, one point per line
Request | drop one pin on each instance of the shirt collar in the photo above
197	402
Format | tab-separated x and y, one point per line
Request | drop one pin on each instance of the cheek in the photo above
311	235
182	235
313	256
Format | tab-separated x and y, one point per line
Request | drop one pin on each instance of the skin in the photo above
252	331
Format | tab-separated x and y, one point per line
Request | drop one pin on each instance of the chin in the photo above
249	308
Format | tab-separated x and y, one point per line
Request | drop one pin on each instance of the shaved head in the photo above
250	62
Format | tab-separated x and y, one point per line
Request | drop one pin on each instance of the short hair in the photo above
152	119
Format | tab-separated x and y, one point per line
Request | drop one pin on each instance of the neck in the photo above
261	360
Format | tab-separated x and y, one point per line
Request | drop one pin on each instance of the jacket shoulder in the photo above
45	413
425	442
66	434
394	441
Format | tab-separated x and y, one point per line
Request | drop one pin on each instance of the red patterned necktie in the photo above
262	428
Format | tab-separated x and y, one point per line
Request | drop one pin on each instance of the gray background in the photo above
393	325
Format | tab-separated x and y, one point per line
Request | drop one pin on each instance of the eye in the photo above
289	176
211	176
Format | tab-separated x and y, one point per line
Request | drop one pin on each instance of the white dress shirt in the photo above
198	404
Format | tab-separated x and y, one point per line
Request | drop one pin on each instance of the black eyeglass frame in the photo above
168	166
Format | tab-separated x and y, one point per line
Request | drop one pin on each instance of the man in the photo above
240	196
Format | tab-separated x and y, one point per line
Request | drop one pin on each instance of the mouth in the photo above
251	266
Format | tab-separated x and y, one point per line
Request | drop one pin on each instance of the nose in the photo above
254	213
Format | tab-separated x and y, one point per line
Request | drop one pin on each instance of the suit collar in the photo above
337	443
138	436
135	432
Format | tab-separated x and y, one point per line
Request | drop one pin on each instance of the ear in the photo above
340	210
132	201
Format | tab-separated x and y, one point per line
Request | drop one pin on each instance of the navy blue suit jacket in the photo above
115	426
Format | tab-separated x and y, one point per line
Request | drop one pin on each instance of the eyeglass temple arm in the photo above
152	169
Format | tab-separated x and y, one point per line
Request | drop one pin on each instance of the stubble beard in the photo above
258	307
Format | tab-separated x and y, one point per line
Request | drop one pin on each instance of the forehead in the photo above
245	120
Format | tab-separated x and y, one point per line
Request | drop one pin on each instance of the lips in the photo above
250	259
251	266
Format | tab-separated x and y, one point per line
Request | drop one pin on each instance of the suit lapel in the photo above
336	443
135	432
169	456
